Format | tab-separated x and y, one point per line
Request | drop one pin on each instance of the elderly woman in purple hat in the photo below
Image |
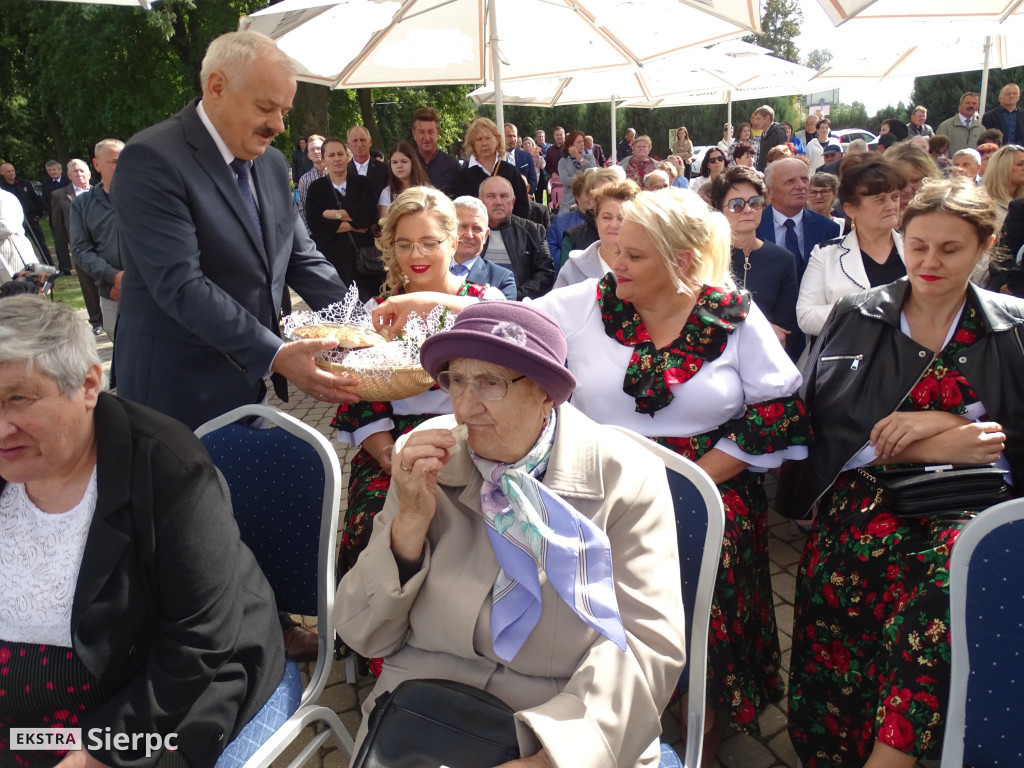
464	577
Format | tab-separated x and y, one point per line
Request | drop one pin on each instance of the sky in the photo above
817	31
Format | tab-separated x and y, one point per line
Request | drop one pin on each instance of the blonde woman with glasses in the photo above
418	239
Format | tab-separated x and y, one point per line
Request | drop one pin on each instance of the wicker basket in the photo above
396	384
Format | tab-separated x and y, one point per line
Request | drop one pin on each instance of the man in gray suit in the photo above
209	236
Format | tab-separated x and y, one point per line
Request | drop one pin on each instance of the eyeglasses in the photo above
426	247
716	159
820	192
737	204
488	387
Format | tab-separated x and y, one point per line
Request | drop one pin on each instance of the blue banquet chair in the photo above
285	484
700	525
987	624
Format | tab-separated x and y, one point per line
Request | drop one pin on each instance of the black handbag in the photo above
432	723
944	490
369	260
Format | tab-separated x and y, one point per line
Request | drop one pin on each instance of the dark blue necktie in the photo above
241	169
792	244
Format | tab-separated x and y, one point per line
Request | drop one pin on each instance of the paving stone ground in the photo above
771	750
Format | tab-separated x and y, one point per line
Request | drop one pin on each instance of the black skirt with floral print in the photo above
871	653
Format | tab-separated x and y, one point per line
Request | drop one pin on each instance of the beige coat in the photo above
573	690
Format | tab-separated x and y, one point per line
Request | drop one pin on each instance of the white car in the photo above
846	135
697	159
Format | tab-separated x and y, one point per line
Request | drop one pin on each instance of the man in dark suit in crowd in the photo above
209	233
788	223
31	204
625	147
1006	117
363	164
595	150
55	179
60	203
467	261
441	167
788	181
772	134
520	158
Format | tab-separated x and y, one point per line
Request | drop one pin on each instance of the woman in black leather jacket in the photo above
924	370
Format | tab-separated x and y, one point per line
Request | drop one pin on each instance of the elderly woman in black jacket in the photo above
130	606
925	370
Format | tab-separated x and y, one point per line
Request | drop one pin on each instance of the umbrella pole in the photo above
614	144
984	74
728	109
499	108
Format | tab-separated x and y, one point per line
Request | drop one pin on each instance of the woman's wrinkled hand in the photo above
539	760
414	472
898	431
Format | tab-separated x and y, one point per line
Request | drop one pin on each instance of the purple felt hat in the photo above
506	333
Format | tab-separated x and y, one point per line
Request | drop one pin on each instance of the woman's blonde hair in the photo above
646	138
914	156
677	221
412	201
473	132
997	176
958	197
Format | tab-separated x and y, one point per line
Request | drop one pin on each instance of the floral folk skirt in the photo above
871	654
743	640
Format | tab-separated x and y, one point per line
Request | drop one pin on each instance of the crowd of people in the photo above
818	311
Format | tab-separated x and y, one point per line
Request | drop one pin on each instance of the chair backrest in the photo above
700	525
987	627
285	484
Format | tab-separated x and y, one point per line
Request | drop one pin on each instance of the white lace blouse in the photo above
40	556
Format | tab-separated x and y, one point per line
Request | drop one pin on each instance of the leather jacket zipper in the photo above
854	364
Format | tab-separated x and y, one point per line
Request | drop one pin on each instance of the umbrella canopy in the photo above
700	68
367	43
996	11
932	56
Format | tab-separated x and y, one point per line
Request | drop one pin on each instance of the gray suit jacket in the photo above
199	311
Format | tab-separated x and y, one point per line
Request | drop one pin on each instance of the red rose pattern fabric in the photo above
871	654
743	646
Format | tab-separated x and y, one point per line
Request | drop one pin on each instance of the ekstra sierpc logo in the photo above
68	739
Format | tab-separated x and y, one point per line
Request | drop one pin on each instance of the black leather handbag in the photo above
946	490
432	723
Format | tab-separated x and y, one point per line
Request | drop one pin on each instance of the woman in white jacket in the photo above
871	255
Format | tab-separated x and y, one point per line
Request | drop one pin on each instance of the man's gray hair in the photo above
480	189
235	52
857	146
77	161
52	164
970	152
47	336
769	172
101	145
472	203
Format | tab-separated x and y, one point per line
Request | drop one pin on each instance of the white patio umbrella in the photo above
726	72
366	43
997	11
936	37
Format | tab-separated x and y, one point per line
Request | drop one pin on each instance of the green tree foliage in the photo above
850	116
780	26
72	74
818	58
941	93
